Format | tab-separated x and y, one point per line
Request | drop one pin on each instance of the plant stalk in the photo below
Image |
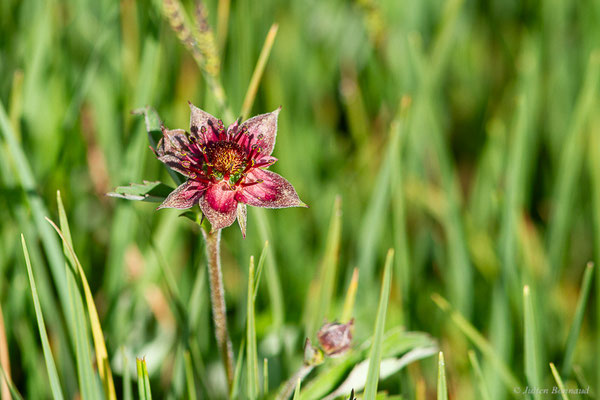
217	297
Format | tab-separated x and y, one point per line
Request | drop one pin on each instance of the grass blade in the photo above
483	389
49	359
479	341
259	268
265	376
532	360
350	297
578	319
559	382
442	390
297	390
570	166
12	390
143	380
189	376
235	387
251	352
325	279
127	392
97	335
258	71
376	348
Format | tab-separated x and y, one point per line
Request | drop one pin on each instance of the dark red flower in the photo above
226	168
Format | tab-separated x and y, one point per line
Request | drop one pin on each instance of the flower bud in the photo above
335	338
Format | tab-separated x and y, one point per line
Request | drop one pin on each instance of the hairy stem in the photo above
217	297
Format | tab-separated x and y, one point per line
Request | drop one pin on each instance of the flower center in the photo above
226	158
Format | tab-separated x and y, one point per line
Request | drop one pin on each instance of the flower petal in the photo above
219	205
274	191
263	129
185	196
170	148
200	118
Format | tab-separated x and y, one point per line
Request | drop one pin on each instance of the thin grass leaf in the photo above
97	334
569	166
325	278
273	281
189	376
259	268
127	390
265	376
222	23
48	357
481	384
252	383
376	347
10	385
594	172
559	382
532	360
235	386
297	390
479	341
27	181
348	308
578	319
143	380
258	71
442	390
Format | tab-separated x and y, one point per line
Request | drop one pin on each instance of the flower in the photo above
335	338
226	168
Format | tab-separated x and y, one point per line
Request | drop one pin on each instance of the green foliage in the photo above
462	134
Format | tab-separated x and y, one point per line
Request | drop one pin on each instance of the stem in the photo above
217	297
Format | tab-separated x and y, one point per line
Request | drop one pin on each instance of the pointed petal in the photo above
185	196
170	148
242	212
219	205
200	118
273	192
264	129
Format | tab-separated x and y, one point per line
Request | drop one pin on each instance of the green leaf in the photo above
143	380
348	308
97	334
559	382
442	390
481	384
11	386
48	357
251	352
235	387
258	71
325	279
376	347
479	341
532	360
154	192
297	390
189	376
577	319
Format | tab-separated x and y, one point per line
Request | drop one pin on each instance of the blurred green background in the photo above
488	179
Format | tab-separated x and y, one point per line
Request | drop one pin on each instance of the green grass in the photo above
462	134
